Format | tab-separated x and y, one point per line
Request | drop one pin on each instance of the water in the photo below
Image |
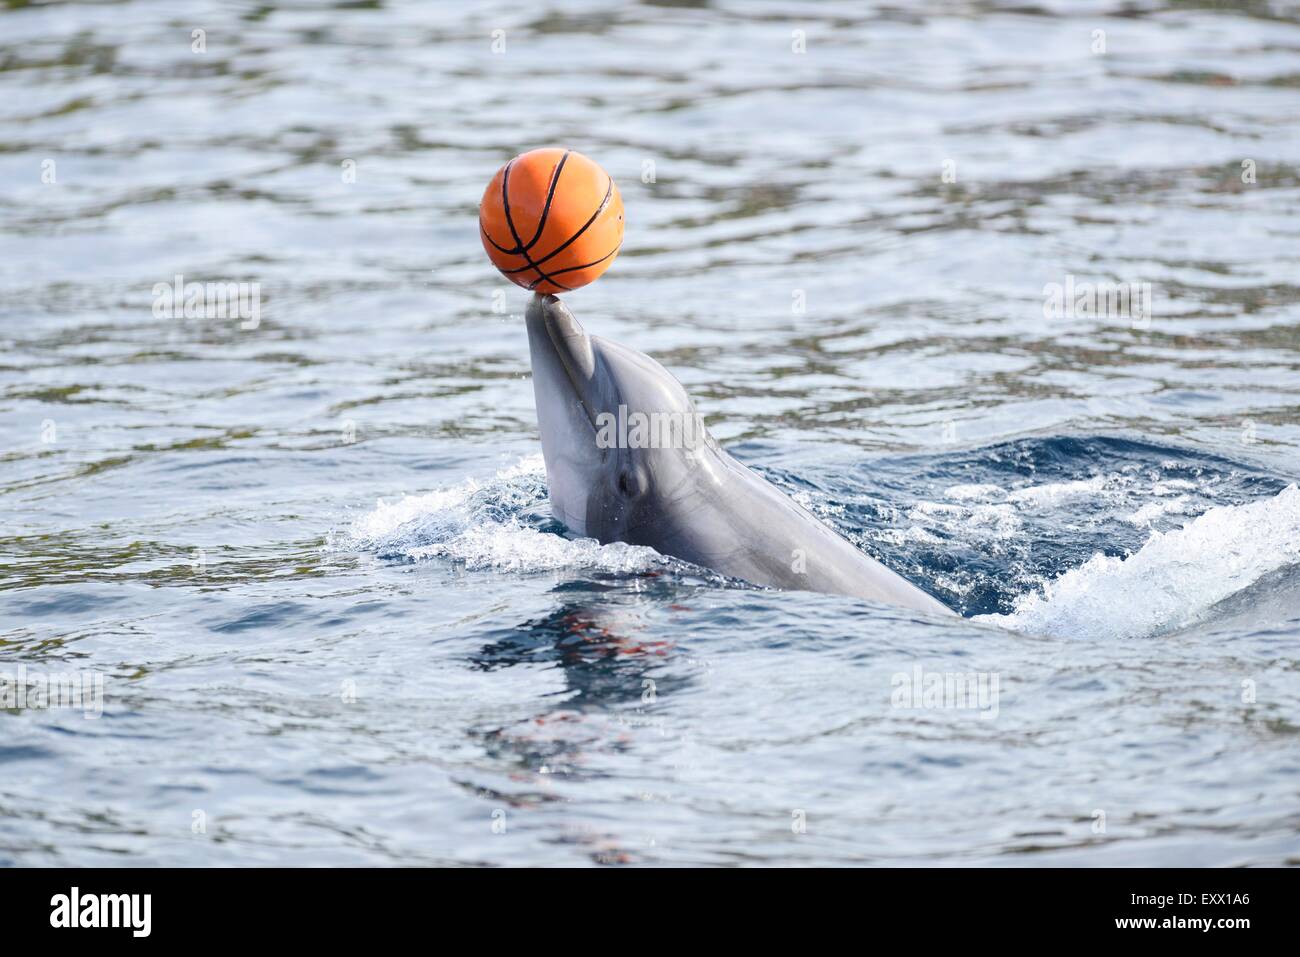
313	561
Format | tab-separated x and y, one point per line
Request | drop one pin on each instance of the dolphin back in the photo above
742	525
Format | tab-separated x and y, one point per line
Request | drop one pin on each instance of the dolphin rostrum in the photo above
629	460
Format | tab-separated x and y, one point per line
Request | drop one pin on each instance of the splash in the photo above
485	525
1172	581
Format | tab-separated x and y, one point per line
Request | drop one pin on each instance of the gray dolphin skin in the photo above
681	495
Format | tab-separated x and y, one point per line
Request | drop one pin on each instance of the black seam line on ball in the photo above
495	244
560	272
536	282
541	223
609	192
511	272
512	252
550	195
519	243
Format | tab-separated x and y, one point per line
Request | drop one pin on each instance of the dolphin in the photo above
660	479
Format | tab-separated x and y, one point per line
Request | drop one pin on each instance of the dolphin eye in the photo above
630	483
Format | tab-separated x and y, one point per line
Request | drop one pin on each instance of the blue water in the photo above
313	561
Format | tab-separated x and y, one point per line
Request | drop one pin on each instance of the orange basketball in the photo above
551	220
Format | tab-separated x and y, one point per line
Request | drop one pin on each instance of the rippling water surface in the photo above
313	560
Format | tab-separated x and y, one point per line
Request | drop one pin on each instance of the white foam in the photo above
1174	486
1153	510
1172	581
979	493
913	534
477	524
991	512
515	482
1056	492
511	547
986	521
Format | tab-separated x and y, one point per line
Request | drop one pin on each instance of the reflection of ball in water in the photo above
551	220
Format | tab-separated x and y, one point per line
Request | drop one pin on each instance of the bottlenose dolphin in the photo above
629	460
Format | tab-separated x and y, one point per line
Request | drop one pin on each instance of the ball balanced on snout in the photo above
551	220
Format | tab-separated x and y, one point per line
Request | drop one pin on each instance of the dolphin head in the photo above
620	436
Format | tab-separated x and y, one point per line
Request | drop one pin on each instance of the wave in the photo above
1010	554
488	525
1172	581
